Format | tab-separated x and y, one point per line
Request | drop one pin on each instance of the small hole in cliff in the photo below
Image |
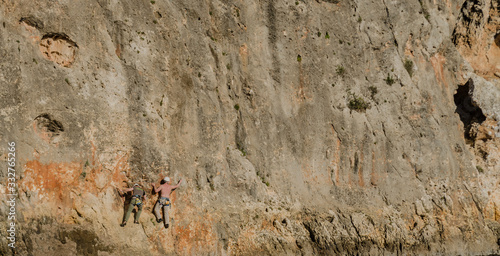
470	114
497	39
57	47
48	128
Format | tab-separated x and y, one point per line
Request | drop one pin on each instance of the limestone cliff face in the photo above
300	127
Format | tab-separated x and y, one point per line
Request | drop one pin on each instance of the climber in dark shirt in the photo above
138	195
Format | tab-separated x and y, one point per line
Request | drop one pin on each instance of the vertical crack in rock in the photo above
57	47
273	37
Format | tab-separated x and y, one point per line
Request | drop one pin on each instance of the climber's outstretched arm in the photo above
178	184
157	189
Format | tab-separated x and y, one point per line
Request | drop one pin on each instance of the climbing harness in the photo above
164	201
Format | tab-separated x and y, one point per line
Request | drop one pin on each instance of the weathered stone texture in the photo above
300	127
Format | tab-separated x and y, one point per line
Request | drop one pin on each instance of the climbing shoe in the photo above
166	225
123	224
159	220
136	222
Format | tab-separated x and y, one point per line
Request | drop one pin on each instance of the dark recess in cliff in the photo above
470	114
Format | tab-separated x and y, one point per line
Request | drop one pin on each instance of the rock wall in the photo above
300	127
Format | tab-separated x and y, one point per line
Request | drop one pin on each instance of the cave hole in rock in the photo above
48	127
470	114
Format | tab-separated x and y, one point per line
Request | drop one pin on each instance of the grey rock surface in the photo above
300	127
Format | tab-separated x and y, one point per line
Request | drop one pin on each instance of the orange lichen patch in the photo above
437	62
59	49
336	161
118	50
493	55
334	164
492	210
408	47
244	55
314	175
120	166
246	242
415	117
251	240
300	94
361	181
51	182
193	232
56	182
373	176
196	237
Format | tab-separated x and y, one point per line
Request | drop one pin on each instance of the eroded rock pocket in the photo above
48	128
32	22
57	47
470	114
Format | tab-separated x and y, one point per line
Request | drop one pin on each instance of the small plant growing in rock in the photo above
237	107
389	80
153	2
358	104
426	13
373	90
408	64
299	58
242	150
67	81
480	169
327	36
319	34
340	70
360	19
296	3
